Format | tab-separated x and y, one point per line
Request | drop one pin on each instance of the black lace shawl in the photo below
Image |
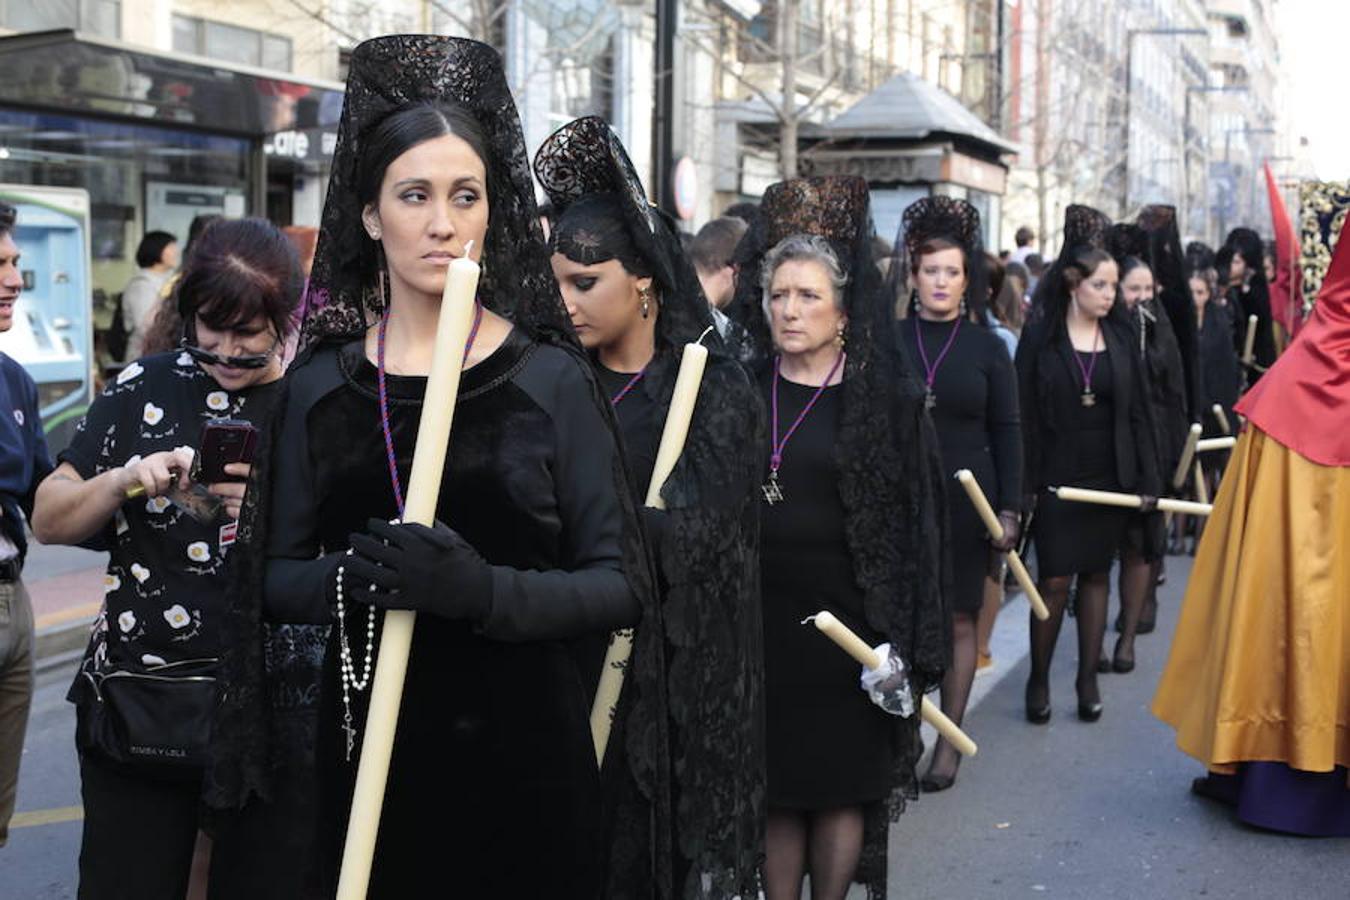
1168	379
708	555
890	470
387	74
955	220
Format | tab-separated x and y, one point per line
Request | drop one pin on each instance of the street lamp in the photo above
1129	89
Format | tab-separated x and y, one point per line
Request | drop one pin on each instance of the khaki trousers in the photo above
16	691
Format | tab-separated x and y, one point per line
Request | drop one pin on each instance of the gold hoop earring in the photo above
645	299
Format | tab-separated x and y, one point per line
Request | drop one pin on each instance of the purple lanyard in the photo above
776	459
384	395
930	371
632	383
1086	371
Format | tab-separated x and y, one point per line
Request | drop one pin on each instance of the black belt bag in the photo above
159	717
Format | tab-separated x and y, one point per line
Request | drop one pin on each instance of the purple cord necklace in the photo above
773	491
1088	399
384	395
930	371
632	383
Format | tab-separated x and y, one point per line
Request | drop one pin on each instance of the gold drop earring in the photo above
839	337
645	299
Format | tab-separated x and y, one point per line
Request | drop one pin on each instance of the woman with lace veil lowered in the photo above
852	522
635	301
1085	423
946	343
1154	292
536	544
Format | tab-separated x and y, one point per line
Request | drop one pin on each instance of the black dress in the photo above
977	423
1074	537
493	761
827	744
1220	374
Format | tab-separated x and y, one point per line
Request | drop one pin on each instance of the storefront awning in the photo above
68	71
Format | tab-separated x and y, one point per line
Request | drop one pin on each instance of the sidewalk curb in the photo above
53	645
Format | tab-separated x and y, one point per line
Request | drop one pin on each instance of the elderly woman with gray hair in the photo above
851	522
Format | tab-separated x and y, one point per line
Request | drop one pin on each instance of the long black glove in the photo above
431	570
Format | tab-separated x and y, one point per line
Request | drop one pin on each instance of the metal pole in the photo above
663	122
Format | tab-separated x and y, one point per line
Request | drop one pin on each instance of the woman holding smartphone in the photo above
160	629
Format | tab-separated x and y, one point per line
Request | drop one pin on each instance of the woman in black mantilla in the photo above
635	301
1152	286
1085	423
946	343
1242	274
537	541
852	522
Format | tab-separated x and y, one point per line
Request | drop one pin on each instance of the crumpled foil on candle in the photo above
888	684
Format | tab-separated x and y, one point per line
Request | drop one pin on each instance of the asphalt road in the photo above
1068	810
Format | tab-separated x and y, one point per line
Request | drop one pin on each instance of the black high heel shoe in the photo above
1037	713
1088	710
1120	662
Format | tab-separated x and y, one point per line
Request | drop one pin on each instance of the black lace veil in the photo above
388	74
890	473
1172	292
955	220
711	626
1255	300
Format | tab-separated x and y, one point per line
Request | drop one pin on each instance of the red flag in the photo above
1286	294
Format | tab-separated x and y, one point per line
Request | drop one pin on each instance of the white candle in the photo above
1248	346
1218	443
995	527
848	641
683	398
1130	501
424	485
1222	418
1184	464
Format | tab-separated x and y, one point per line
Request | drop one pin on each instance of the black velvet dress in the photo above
827	744
977	423
493	789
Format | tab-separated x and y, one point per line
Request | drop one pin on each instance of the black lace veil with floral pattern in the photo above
954	220
890	470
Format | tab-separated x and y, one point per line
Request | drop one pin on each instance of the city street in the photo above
1068	810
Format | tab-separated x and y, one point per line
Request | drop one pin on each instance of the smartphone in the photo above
223	441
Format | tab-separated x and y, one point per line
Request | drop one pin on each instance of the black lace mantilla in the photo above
890	471
955	220
710	626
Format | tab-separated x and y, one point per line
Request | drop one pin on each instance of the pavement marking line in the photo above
52	816
61	616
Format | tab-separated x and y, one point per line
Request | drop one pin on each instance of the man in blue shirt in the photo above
24	462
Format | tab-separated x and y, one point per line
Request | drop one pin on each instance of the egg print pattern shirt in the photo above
164	590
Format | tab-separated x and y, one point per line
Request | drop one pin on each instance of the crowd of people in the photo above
226	684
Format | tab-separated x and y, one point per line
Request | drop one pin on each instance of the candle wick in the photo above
700	340
468	248
808	619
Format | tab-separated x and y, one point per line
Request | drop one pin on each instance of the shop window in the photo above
231	43
97	16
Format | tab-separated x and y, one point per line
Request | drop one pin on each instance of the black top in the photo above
976	413
166	575
24	459
494	718
641	419
1050	388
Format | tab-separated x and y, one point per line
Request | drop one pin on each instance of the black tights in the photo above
956	686
1138	581
828	840
1091	613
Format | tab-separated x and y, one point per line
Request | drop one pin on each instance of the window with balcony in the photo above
103	17
232	43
